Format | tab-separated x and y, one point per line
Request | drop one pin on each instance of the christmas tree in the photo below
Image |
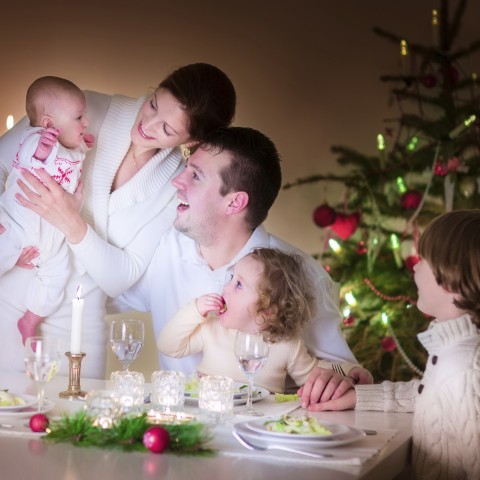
428	162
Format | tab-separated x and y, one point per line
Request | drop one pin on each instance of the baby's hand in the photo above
209	303
89	139
27	325
48	139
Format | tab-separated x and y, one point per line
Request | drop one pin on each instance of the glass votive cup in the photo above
168	390
215	397
129	387
103	407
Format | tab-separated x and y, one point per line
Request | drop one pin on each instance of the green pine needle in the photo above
127	434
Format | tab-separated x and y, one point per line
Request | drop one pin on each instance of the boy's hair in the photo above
254	168
451	246
44	88
285	298
206	93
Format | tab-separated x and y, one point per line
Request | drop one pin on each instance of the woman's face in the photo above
161	123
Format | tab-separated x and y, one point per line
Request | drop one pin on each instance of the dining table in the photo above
384	453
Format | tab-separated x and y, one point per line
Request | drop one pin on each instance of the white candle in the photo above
77	312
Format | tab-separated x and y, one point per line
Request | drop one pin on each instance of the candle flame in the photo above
79	292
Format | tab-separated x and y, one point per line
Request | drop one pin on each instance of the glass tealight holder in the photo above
215	398
103	407
168	390
129	387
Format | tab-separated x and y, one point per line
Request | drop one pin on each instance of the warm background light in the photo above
307	73
10	122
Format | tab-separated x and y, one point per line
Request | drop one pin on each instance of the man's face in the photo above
202	209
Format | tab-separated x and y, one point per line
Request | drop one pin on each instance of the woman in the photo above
128	200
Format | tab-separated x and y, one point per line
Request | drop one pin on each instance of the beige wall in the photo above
306	72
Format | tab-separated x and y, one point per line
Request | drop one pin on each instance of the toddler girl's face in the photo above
433	299
241	296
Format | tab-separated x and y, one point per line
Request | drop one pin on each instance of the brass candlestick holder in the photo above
74	365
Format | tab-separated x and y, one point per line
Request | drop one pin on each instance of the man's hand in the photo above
360	375
323	384
48	138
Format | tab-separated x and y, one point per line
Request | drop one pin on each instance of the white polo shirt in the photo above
177	273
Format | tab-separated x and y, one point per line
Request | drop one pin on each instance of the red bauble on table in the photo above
156	439
411	200
39	423
324	215
346	225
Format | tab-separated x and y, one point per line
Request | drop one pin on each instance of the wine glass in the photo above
126	339
42	359
251	350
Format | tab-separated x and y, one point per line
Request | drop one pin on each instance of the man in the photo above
224	194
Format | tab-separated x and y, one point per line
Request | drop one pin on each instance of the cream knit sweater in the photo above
446	402
188	333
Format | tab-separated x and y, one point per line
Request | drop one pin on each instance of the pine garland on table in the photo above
127	434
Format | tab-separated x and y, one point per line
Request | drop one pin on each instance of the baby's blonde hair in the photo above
42	90
285	297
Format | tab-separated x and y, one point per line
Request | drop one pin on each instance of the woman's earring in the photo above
186	151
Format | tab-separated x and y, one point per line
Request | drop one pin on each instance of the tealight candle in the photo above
77	312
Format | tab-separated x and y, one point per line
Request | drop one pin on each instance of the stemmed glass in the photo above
42	359
251	350
126	339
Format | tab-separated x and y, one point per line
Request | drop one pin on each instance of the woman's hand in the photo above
53	203
25	259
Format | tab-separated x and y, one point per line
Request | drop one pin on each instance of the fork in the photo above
251	446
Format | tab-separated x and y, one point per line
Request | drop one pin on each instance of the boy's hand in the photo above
89	139
209	303
48	138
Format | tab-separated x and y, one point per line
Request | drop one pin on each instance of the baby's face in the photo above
241	296
69	115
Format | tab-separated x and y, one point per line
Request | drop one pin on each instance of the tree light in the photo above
350	299
334	245
10	122
402	188
346	312
385	319
412	144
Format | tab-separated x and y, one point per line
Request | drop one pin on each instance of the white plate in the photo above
337	430
259	394
29	411
351	435
28	399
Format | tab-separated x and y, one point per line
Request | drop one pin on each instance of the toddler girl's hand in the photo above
27	325
209	303
48	139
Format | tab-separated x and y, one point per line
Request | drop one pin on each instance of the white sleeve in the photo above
114	269
323	336
387	396
9	143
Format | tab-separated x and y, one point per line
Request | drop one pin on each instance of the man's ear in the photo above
46	121
238	202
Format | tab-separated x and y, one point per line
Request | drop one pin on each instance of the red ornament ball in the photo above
361	248
411	261
349	321
429	81
388	344
324	216
411	200
346	224
440	169
156	439
39	422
